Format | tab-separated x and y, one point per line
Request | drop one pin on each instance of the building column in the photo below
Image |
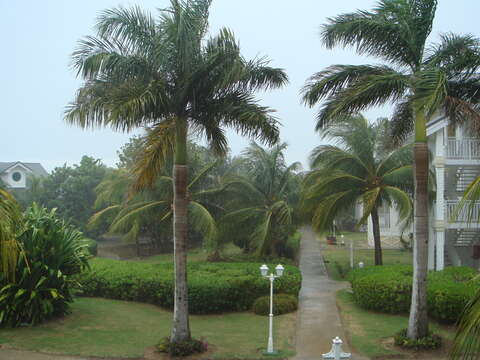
439	212
440	237
431	244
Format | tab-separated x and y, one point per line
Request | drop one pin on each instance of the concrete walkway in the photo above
318	319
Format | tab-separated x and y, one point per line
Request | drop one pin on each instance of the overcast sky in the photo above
37	38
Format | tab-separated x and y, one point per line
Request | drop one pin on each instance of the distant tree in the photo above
357	171
69	189
262	196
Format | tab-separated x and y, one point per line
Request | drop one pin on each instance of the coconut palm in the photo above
418	79
10	228
264	196
357	170
165	73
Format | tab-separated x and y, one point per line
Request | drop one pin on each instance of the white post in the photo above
440	234
336	352
439	220
270	323
351	253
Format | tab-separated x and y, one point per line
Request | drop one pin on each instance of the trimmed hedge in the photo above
388	289
282	304
212	287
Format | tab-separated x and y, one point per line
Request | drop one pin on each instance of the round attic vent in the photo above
16	176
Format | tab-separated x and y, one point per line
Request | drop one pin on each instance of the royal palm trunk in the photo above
376	237
418	320
181	326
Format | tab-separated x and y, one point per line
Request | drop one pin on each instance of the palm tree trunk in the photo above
181	326
376	237
418	320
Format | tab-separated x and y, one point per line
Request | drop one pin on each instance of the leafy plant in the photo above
185	348
429	342
52	252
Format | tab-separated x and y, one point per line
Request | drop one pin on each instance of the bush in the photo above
52	252
185	348
292	246
429	342
388	289
212	287
282	304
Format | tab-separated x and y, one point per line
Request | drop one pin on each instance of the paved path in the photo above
318	319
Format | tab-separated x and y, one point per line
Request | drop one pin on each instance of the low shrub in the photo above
282	304
429	342
212	287
388	289
52	252
186	348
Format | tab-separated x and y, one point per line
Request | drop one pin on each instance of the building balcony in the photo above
466	149
466	217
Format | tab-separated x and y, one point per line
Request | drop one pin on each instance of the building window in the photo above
16	176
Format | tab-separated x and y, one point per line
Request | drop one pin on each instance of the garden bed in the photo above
213	287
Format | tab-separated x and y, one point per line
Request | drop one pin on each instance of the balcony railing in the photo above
469	213
463	149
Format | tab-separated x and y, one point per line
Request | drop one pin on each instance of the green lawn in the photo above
371	333
337	257
110	328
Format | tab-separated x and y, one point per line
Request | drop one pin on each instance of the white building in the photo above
15	175
455	159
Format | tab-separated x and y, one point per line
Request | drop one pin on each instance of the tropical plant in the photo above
358	170
419	79
52	253
11	225
264	196
165	73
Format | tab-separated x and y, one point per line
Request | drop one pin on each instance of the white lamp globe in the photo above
279	269
264	270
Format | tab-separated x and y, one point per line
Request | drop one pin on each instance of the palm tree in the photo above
265	194
357	170
10	228
129	215
466	344
163	72
418	79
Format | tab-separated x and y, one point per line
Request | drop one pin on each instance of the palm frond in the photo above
204	223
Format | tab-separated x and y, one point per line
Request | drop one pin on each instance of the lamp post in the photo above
279	272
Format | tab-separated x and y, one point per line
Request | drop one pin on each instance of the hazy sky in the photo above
37	38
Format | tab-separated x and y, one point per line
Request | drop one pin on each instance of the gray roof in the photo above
36	168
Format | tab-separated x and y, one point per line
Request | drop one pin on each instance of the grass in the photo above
371	333
337	257
111	328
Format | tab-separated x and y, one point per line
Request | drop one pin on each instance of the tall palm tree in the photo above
165	73
358	169
264	196
418	79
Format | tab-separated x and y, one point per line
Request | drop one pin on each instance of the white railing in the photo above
469	213
466	149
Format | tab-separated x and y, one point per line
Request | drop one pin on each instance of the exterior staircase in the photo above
466	237
465	176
